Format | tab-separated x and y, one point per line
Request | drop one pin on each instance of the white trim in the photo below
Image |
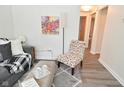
112	72
103	7
92	52
97	52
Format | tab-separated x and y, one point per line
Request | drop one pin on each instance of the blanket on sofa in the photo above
17	63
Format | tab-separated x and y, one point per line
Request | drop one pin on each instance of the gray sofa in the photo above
7	79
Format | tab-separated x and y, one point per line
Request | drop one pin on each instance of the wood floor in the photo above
94	74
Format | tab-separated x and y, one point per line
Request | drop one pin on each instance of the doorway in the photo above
82	28
91	30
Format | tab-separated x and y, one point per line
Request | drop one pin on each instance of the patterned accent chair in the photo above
74	56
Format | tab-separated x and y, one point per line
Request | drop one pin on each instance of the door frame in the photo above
80	27
93	16
94	46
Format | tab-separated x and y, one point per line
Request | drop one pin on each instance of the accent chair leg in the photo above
81	64
59	64
72	71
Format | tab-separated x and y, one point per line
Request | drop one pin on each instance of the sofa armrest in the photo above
30	50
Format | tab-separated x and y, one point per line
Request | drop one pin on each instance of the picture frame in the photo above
50	24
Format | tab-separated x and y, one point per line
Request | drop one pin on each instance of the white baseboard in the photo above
97	52
92	52
112	72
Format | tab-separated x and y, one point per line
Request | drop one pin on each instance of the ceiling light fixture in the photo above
86	8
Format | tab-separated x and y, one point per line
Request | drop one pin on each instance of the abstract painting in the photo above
50	24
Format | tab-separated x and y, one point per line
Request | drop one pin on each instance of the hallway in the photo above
94	74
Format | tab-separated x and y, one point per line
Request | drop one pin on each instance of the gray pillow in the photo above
5	51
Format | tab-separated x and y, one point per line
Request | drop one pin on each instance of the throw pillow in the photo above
5	51
16	47
4	41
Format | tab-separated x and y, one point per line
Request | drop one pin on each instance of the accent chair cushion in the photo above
69	59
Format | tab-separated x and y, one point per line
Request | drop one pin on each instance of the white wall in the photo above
6	24
112	51
84	13
27	21
100	21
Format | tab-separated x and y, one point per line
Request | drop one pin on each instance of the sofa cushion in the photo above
5	51
4	74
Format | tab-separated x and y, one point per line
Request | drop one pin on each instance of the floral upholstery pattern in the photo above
75	54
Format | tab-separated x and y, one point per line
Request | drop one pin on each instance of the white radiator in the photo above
44	54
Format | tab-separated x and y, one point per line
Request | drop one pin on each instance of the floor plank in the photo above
94	74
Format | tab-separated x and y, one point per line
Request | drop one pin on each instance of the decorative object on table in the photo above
74	56
41	72
50	24
28	83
